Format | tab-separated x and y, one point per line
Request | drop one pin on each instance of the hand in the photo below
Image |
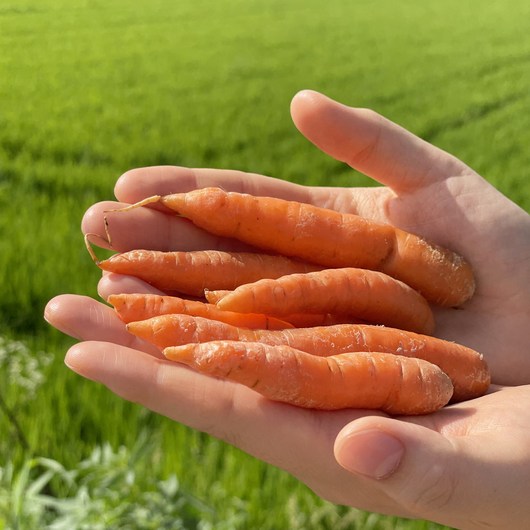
427	191
482	443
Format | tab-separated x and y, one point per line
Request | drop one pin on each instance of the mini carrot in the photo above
298	320
191	272
328	238
132	307
394	384
466	368
369	295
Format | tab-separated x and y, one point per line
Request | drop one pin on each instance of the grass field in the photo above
89	89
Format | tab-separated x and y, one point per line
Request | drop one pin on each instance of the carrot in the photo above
131	307
191	272
327	238
394	384
369	295
298	320
178	329
466	368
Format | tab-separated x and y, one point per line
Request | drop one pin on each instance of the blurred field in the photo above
89	89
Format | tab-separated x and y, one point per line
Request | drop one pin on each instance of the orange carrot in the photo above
328	238
369	295
131	307
191	272
298	320
466	368
394	384
176	329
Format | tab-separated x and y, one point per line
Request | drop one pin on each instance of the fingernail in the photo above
371	453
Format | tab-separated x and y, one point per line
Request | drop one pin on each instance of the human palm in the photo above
426	191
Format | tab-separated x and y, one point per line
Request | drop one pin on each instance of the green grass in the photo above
89	89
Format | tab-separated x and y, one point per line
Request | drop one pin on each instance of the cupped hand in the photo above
466	465
426	191
462	465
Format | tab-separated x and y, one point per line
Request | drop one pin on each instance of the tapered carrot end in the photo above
108	265
116	300
141	328
119	303
175	201
194	201
239	300
119	263
186	354
212	297
219	358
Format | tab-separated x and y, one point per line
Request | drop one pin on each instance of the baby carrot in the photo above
132	307
394	384
466	368
298	320
191	272
368	295
328	238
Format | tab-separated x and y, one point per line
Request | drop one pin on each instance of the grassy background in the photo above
89	89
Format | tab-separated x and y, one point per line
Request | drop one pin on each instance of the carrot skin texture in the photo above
134	307
303	231
191	272
368	295
466	368
394	384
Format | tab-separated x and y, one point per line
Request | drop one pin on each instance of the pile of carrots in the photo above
330	310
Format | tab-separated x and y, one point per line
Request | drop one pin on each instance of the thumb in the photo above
371	143
452	481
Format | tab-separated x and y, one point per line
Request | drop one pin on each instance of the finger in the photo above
148	229
84	318
371	144
446	480
297	440
112	283
140	183
137	184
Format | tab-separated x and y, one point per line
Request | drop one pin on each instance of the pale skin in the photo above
466	466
